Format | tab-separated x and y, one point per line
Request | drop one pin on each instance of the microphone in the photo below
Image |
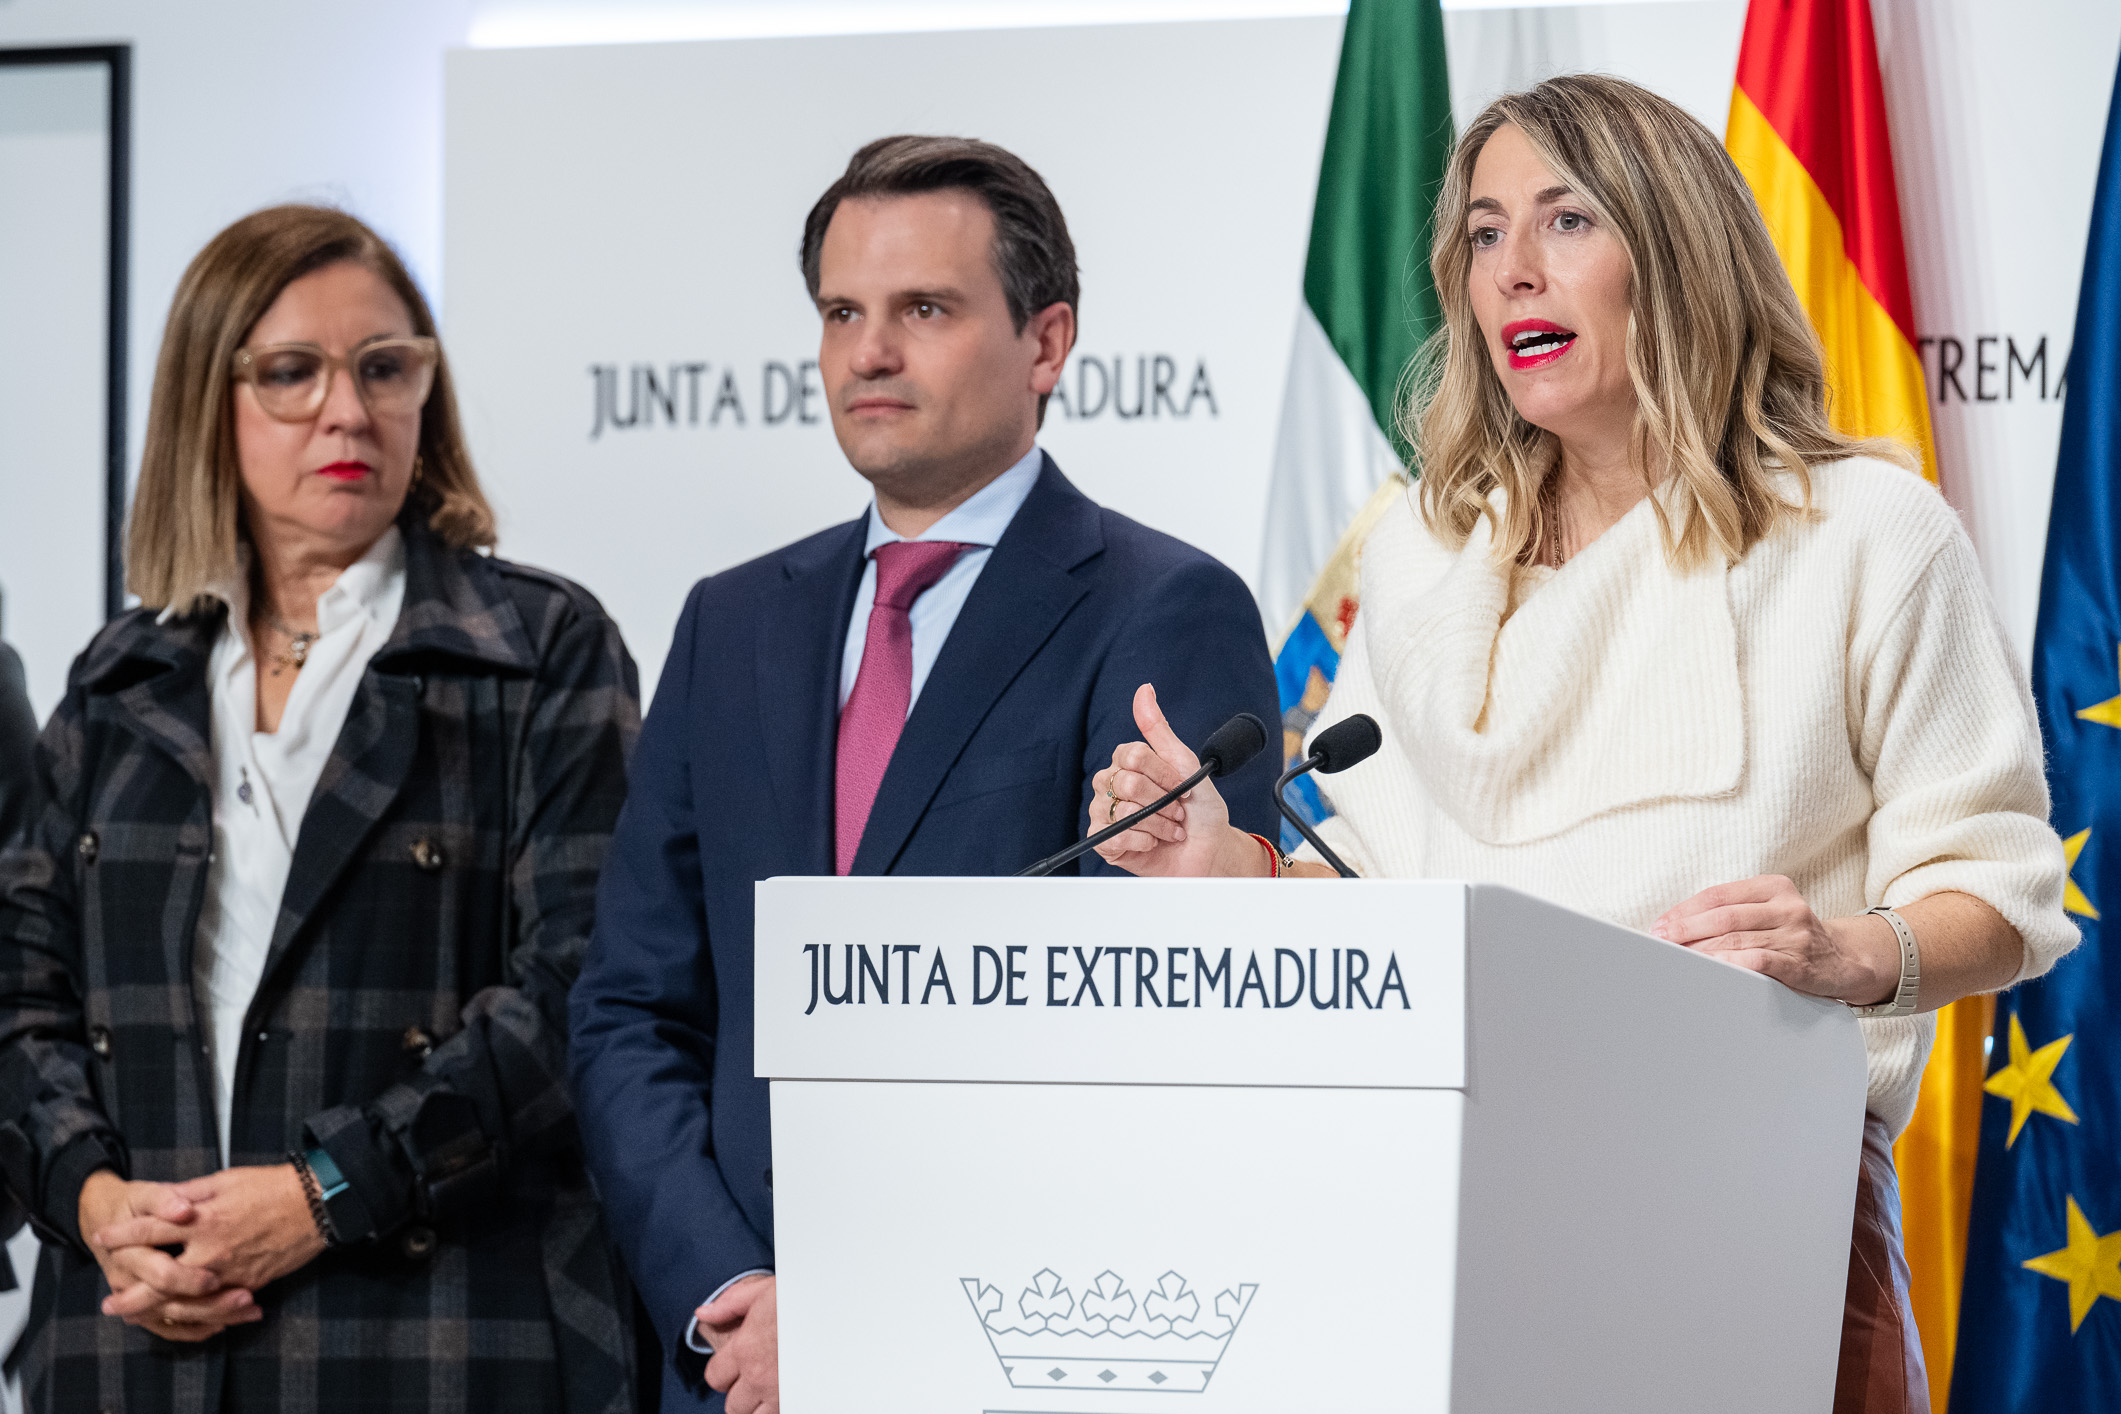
1230	746
1335	749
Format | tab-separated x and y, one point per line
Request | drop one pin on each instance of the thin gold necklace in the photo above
298	646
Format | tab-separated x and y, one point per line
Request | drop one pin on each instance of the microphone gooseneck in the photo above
1335	749
1227	749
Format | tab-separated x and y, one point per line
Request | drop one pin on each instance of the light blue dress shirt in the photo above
979	521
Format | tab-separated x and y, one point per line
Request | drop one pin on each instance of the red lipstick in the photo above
346	471
1535	343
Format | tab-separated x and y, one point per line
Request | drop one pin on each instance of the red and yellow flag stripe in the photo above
1808	128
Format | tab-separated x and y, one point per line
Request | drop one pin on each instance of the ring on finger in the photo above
1111	809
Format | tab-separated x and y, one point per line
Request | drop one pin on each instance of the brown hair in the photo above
1729	377
187	513
1033	254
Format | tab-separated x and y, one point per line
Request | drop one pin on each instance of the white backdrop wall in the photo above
1997	111
646	420
1997	114
54	274
1184	163
1185	156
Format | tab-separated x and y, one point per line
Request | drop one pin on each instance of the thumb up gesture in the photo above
1190	838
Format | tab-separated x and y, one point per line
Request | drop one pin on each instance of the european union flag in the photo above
2040	1321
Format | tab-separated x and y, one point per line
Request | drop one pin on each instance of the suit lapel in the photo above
367	769
1021	596
802	634
151	677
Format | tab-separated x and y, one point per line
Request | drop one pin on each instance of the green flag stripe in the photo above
1387	141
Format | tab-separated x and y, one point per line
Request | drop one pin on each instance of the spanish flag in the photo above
1808	130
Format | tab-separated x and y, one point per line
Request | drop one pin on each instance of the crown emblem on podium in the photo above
1166	1339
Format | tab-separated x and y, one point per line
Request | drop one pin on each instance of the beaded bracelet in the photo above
313	1191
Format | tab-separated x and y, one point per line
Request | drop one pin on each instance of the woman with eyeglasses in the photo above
285	950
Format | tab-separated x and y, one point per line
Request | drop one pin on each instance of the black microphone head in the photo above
1344	743
1234	743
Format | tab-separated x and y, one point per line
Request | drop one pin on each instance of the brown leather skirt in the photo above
1881	1353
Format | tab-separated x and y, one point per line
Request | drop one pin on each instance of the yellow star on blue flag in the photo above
2028	1081
2107	713
2073	897
2090	1262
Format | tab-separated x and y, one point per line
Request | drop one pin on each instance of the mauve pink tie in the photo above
875	713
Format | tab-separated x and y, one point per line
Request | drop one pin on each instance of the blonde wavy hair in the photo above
187	519
1729	377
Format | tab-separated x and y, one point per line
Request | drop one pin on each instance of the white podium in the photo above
1048	1146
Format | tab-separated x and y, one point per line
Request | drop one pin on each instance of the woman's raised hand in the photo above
1190	838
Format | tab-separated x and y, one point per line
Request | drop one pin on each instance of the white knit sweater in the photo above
1841	707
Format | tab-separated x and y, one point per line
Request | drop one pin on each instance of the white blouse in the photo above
263	782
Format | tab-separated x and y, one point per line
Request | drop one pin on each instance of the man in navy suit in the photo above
925	690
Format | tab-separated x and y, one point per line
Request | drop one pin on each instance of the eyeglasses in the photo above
391	375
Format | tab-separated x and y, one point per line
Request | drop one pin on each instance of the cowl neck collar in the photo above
1614	685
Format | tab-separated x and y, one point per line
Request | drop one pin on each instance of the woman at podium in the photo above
1653	640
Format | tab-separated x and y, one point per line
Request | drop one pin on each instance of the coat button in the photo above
99	1041
427	854
418	1043
87	847
419	1243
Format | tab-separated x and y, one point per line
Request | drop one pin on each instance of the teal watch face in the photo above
329	1179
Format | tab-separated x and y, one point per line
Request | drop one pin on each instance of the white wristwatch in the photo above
1906	995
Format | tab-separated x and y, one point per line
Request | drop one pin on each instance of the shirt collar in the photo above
362	585
983	517
233	591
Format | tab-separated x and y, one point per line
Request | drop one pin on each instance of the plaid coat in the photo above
411	1019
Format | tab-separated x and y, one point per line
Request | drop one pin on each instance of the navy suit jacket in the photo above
732	782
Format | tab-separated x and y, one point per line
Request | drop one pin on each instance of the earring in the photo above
419	468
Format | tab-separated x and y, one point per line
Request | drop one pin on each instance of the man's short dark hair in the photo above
1032	252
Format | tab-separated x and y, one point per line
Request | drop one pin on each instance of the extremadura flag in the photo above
1368	304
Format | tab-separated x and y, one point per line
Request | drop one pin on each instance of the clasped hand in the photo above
238	1230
